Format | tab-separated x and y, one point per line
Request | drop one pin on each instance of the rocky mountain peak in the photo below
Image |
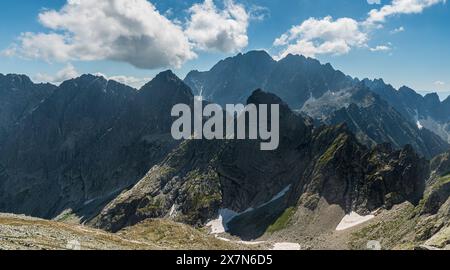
260	97
261	56
294	57
85	81
15	82
410	94
432	98
165	84
166	76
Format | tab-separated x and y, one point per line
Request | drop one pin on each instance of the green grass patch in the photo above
329	154
283	221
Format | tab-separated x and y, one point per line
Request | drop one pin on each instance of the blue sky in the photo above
407	46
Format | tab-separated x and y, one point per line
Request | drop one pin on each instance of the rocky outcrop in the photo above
201	177
427	111
294	79
231	80
26	233
433	212
374	121
19	96
85	143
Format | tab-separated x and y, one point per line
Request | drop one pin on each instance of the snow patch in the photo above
417	118
352	220
220	225
172	212
287	246
441	129
419	125
247	243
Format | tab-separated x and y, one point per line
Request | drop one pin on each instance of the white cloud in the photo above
9	52
70	72
322	36
328	36
66	73
218	30
400	7
130	80
398	30
439	83
131	31
373	2
258	13
380	48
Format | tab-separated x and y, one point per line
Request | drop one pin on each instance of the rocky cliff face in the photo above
294	79
231	80
425	111
377	113
19	96
422	226
201	177
87	141
374	121
433	212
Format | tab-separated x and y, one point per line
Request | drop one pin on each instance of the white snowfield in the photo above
275	246
419	125
286	246
220	225
352	220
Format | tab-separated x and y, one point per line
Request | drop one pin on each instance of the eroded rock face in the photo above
295	79
86	142
428	111
374	121
201	177
433	212
375	112
19	96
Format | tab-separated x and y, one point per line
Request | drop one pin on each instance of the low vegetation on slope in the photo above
25	233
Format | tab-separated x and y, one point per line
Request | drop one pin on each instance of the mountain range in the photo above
96	152
320	90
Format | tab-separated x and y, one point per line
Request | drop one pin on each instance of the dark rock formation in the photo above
294	79
325	93
200	177
86	142
19	96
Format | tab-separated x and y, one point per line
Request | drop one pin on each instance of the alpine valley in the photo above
93	161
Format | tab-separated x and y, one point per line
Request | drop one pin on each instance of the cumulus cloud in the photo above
328	36
70	72
9	52
66	73
398	30
400	7
219	30
258	13
380	48
322	36
130	80
131	31
135	32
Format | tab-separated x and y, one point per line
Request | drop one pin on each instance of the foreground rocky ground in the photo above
397	229
25	233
